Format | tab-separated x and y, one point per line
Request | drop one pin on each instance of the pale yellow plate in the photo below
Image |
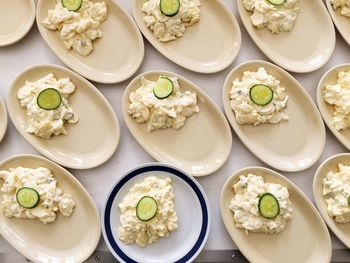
71	239
341	22
305	238
3	119
342	231
91	141
208	46
116	56
200	147
292	145
330	77
306	48
17	18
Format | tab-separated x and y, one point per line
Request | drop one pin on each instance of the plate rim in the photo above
5	123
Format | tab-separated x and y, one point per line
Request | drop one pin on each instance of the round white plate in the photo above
191	206
341	22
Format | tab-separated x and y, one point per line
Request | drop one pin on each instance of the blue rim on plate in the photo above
106	210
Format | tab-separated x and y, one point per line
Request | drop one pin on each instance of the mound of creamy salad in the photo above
338	95
277	18
246	111
162	113
244	205
336	192
52	198
78	29
344	6
167	28
132	229
44	123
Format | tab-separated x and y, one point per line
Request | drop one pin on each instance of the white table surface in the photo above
33	50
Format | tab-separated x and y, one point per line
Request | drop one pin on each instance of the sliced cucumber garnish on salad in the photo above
276	2
146	208
72	5
27	197
268	206
49	99
164	88
169	7
261	94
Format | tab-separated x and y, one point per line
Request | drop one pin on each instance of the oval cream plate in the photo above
116	56
17	18
88	143
288	246
306	48
68	239
342	231
200	147
341	22
292	145
3	119
208	46
330	77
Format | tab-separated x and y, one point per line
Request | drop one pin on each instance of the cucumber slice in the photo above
72	5
268	206
261	94
146	208
169	7
49	99
276	2
27	197
349	200
164	88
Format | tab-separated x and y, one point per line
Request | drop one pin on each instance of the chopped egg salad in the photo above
343	5
277	18
136	229
336	192
167	27
247	108
245	205
41	180
338	95
78	29
43	122
165	112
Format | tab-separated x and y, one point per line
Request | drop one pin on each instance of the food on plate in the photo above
336	192
258	98
147	212
161	104
260	207
48	109
277	15
33	193
344	6
168	19
78	22
338	95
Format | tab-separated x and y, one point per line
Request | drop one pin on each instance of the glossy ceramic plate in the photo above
17	18
305	238
208	46
292	145
306	48
116	56
71	239
3	119
183	244
200	147
341	22
88	143
342	231
330	77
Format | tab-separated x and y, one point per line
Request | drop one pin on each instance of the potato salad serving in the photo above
168	19
33	194
78	22
336	192
258	98
343	5
161	104
148	212
276	15
260	207
338	95
47	105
